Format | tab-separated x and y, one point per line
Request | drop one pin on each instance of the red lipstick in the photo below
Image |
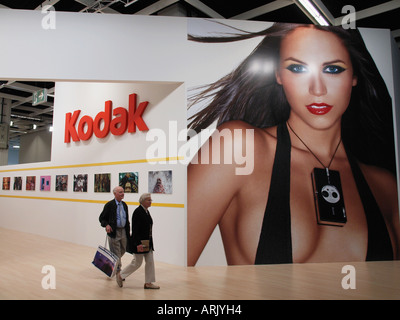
319	108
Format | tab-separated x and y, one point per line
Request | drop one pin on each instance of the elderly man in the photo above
114	218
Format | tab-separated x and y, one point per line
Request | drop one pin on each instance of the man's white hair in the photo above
144	196
115	189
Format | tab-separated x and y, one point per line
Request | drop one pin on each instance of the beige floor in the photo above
22	256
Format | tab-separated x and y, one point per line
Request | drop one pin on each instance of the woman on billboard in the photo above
323	187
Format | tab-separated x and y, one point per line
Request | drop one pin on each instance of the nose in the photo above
317	85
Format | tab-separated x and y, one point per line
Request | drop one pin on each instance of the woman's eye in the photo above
297	68
333	69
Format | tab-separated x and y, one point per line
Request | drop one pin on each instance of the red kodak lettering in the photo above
119	124
70	120
124	119
135	116
106	117
88	121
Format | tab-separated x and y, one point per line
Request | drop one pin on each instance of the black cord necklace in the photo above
330	162
328	195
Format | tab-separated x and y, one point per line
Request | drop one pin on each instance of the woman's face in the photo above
316	73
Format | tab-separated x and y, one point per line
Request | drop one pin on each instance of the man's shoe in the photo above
151	286
119	280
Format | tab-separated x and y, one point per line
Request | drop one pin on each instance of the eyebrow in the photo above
334	61
325	63
294	59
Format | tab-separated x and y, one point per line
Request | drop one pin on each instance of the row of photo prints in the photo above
158	182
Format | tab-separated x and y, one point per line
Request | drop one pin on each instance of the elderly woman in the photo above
141	244
323	188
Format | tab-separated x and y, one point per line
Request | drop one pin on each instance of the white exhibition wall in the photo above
118	58
73	216
95	58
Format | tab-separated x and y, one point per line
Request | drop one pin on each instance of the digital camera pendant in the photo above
328	197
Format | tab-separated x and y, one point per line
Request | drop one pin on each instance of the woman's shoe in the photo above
119	279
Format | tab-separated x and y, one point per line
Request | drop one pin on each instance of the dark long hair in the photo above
256	97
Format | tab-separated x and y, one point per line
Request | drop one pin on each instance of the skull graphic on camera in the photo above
330	194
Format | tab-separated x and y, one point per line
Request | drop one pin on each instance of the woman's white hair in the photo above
143	197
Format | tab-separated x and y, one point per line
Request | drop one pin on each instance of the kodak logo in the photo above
123	120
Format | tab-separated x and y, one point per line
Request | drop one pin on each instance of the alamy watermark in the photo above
349	280
233	147
49	19
49	280
349	20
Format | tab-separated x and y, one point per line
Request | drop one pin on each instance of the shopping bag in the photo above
106	261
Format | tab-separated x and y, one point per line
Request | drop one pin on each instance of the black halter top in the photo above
275	244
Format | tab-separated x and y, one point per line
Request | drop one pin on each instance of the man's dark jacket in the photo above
109	216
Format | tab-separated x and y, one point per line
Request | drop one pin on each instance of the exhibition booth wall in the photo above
133	70
103	49
63	198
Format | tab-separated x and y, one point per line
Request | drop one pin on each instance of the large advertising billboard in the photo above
301	166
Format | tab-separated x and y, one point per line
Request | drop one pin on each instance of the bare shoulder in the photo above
261	142
235	149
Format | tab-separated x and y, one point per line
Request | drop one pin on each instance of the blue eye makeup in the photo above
333	69
297	68
330	69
